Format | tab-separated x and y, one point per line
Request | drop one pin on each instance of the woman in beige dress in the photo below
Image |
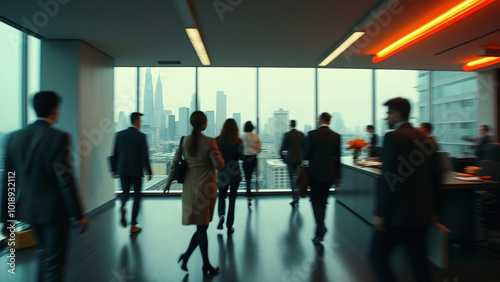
199	192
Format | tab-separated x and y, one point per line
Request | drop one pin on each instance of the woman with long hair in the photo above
231	148
251	147
199	190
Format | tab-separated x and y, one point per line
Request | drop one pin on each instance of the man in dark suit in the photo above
323	152
129	161
292	143
373	140
39	176
407	195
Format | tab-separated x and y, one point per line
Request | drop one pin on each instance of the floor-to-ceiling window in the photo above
166	98
454	110
271	97
347	95
33	74
285	94
10	84
225	93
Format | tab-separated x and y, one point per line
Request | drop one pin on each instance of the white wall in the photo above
84	77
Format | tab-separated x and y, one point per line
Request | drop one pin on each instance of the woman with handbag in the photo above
199	191
231	148
251	147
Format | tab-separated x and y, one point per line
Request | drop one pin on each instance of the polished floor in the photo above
272	242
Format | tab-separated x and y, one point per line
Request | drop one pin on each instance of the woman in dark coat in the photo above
231	148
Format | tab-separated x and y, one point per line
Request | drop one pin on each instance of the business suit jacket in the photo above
293	142
374	140
131	155
45	189
323	152
410	180
480	147
231	174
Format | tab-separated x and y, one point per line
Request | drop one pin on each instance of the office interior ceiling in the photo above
260	33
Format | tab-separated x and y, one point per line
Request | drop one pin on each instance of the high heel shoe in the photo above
210	270
221	222
184	262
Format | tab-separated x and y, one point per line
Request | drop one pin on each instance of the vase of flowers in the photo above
356	145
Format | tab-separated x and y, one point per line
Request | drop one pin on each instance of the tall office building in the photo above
184	124
148	98
237	118
151	137
280	127
221	110
159	111
276	174
210	131
122	121
172	129
453	108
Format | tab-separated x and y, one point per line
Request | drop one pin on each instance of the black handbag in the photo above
180	167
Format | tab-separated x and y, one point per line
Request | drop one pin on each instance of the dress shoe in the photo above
249	201
294	203
135	229
316	241
210	270
221	222
230	231
123	221
184	262
322	234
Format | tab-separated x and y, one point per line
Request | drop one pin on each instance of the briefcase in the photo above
301	178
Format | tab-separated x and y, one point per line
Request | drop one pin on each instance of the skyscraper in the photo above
280	127
184	125
221	110
237	118
210	131
159	120
453	107
172	129
148	98
122	121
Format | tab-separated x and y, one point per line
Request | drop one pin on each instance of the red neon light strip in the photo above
481	63
453	15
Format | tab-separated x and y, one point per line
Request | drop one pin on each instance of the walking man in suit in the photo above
323	152
407	195
129	161
292	143
38	175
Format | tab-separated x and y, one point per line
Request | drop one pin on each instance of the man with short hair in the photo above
292	144
323	152
130	159
37	158
407	194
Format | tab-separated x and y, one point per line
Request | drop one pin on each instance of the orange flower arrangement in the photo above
356	144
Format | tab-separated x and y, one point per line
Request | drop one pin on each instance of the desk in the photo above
358	193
